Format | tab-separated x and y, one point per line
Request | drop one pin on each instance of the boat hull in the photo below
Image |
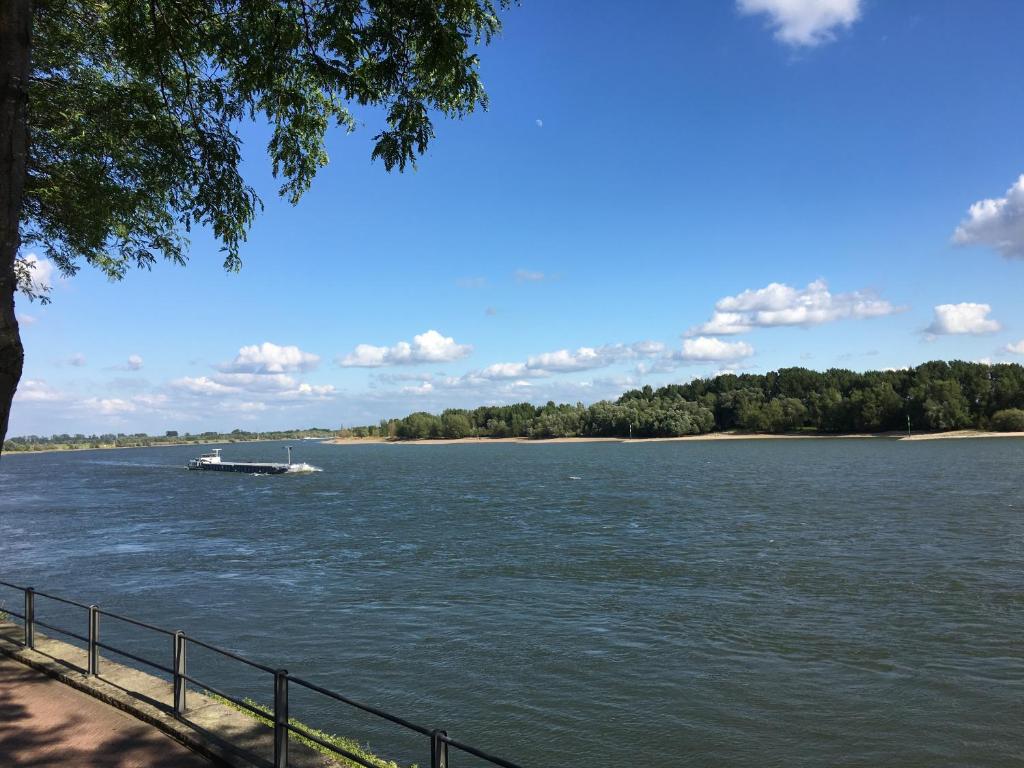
249	469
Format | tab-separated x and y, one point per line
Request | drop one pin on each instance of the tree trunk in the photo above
15	41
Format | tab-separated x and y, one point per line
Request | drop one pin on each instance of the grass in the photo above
342	742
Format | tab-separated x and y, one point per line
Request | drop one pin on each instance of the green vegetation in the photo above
935	396
141	440
349	745
1008	420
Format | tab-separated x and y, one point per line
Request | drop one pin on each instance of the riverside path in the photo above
44	722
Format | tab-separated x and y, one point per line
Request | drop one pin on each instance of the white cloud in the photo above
708	349
424	388
37	275
539	123
36	391
109	406
966	317
26	320
202	385
1016	348
998	223
134	362
804	22
271	358
429	347
565	361
529	276
506	371
257	382
778	304
582	359
306	391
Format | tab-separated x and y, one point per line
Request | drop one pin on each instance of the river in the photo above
742	603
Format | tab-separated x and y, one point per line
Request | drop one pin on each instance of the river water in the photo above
740	603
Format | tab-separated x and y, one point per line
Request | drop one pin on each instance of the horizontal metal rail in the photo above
240	702
63	631
61	599
477	752
9	612
277	718
229	654
139	659
357	705
136	622
306	734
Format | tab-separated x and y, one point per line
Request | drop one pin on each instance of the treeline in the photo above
933	396
142	440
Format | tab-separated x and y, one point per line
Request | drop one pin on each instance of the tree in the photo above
1009	420
122	133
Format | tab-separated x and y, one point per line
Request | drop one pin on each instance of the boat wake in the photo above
302	468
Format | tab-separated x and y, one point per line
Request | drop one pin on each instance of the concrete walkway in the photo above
45	723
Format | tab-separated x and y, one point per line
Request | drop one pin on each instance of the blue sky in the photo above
652	196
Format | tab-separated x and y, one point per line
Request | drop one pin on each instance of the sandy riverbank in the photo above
711	436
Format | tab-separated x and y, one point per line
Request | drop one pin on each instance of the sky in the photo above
686	189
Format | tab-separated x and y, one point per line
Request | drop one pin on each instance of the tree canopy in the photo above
120	120
134	109
933	396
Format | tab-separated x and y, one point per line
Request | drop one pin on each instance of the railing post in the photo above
30	617
438	750
281	718
179	673
94	638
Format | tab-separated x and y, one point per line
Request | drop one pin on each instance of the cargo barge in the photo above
212	462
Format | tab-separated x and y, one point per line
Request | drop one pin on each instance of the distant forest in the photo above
142	440
933	396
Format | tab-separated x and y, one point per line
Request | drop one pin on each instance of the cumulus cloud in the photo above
109	406
998	223
272	359
227	388
34	275
778	304
134	362
507	371
1016	348
202	385
428	347
36	391
804	22
566	361
709	349
966	317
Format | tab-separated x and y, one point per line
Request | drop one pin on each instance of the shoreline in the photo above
78	449
710	436
959	434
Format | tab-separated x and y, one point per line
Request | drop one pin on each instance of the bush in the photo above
1010	420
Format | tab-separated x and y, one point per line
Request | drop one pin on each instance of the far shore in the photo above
710	436
952	435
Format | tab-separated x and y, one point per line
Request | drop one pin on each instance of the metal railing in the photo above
440	741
